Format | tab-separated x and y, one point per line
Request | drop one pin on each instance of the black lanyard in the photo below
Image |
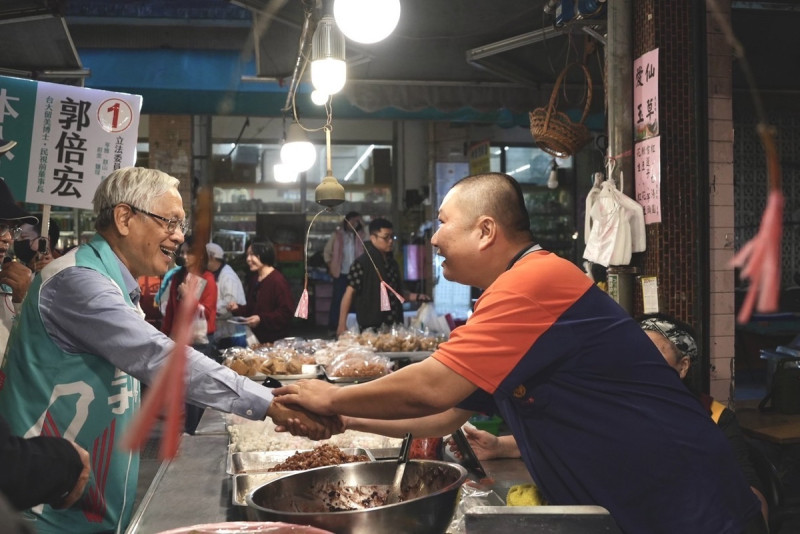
522	253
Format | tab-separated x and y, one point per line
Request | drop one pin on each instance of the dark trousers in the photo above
192	413
339	287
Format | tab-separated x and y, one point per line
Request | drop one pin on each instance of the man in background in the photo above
368	271
345	244
230	290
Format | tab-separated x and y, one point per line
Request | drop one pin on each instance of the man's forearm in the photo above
421	427
421	389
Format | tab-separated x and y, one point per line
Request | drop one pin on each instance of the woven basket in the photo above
553	131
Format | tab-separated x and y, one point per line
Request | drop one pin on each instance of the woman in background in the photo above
195	261
270	306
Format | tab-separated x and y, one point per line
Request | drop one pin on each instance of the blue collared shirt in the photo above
84	311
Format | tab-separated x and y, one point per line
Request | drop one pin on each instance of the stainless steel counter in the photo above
194	488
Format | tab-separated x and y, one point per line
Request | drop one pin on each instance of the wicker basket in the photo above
553	131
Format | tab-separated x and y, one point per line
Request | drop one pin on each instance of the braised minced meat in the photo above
320	456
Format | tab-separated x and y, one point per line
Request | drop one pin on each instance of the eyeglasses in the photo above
386	237
173	224
15	230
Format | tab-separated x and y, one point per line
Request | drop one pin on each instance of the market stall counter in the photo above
194	488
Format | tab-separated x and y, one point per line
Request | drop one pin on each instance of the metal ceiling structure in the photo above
35	43
239	56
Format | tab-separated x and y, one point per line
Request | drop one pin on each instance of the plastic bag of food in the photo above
359	363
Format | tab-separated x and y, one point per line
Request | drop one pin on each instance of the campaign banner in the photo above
68	139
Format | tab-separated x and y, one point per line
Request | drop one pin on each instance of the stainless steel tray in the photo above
262	461
245	483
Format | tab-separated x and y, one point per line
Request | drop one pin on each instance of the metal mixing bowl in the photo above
429	496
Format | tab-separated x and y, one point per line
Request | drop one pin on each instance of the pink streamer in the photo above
760	260
385	305
166	393
302	306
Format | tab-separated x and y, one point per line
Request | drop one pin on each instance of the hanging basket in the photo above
553	131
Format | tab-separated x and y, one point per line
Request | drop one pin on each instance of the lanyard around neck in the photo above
522	253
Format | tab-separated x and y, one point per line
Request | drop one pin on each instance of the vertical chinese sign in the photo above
68	139
479	158
647	146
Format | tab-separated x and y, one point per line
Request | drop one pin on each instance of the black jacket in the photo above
36	470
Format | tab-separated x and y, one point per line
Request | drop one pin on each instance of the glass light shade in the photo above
328	67
328	75
366	21
319	98
284	173
297	151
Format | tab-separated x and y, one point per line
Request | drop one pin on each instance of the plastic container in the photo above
489	424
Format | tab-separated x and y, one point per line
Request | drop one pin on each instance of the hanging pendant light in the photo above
319	98
552	179
329	192
297	151
328	67
284	173
367	21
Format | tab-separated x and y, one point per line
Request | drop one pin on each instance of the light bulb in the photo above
552	180
328	75
284	173
366	21
328	67
297	151
319	98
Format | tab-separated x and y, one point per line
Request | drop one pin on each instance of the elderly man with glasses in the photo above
368	271
81	346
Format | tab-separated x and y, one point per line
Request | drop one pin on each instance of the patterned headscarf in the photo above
680	334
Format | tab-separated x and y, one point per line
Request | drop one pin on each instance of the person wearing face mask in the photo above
35	251
15	277
38	469
345	244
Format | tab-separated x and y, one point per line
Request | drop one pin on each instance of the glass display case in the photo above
549	197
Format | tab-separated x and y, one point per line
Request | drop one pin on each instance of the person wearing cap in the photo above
33	249
81	346
229	290
38	469
15	277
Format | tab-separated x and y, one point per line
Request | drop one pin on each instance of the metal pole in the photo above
619	66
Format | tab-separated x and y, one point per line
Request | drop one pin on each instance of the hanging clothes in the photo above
615	225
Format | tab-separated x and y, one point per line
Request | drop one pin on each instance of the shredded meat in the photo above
320	456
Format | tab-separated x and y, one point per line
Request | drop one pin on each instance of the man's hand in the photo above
313	395
302	423
77	490
41	260
18	277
